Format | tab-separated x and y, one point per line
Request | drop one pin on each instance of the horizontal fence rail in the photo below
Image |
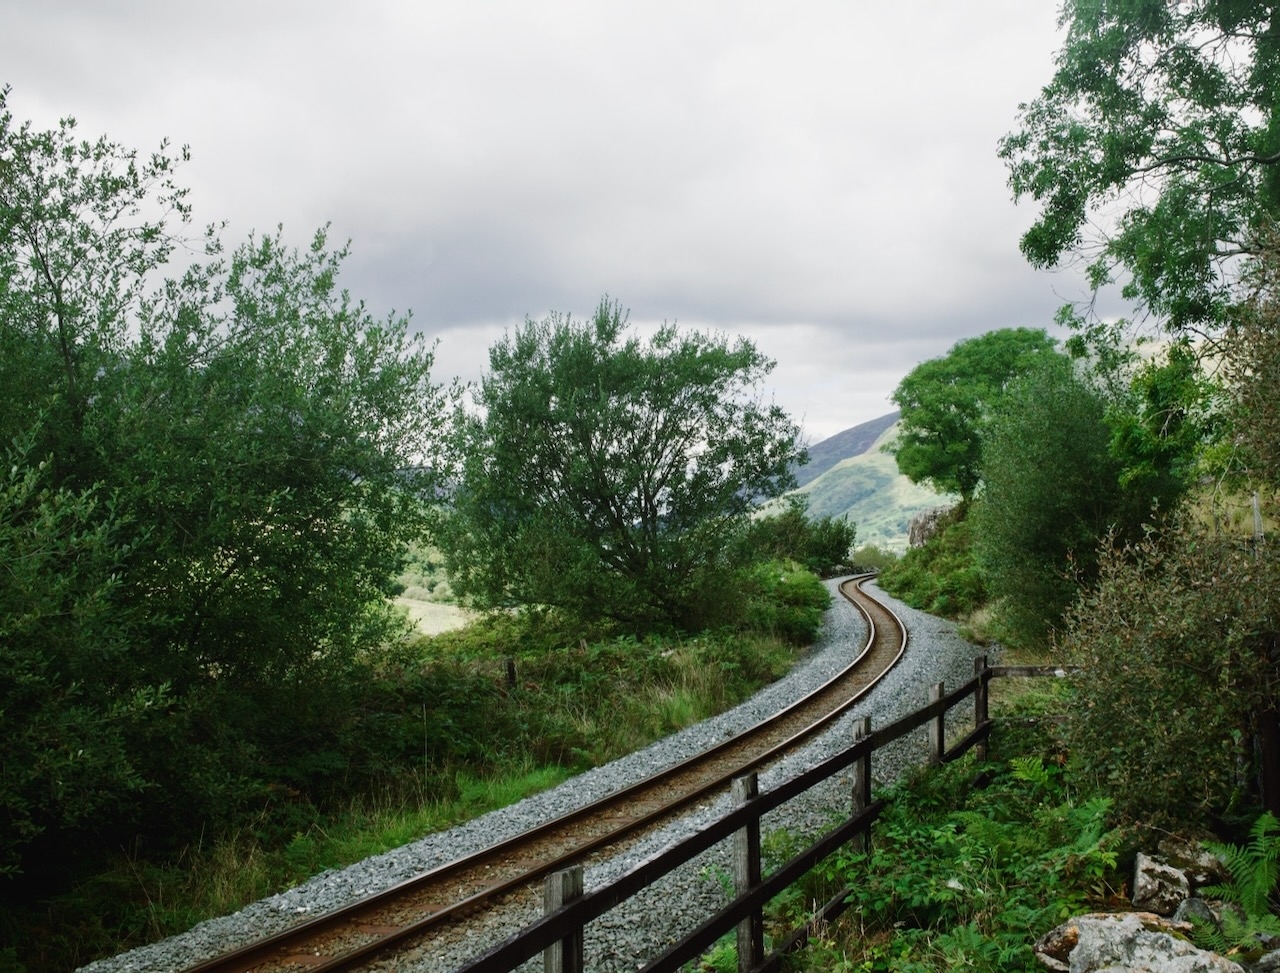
558	935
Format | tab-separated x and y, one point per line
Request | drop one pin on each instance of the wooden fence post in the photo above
980	702
937	728
746	875
862	779
561	888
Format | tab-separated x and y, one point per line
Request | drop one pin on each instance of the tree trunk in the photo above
1267	737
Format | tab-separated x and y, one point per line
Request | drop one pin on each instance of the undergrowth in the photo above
942	577
964	878
465	722
969	864
1247	920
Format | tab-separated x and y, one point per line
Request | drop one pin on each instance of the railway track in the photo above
408	915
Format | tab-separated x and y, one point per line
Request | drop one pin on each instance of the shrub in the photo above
784	601
1175	645
821	545
869	557
941	577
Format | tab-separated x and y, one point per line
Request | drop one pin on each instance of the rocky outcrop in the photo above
1127	942
1195	861
926	524
1147	941
1158	887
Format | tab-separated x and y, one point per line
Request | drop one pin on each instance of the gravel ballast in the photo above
644	925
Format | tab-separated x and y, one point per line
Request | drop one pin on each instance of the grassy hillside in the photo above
852	442
869	489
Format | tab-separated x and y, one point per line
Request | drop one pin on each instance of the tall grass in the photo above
482	742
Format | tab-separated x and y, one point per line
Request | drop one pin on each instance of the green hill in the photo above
869	490
841	446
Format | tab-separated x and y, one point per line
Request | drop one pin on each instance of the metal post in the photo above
560	889
746	875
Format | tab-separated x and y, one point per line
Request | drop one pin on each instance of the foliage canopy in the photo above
208	479
1253	370
609	476
1050	495
1154	151
945	403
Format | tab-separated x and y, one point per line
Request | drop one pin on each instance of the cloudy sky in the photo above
819	175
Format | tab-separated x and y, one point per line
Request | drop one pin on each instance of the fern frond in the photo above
1089	821
1254	868
1030	770
1208	936
984	832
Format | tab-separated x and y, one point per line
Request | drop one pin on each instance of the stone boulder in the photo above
1199	864
928	523
1128	942
1269	963
1158	886
1195	910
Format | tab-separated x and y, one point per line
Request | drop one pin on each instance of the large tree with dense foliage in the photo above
1050	494
945	403
1154	151
208	483
1179	638
608	475
1155	154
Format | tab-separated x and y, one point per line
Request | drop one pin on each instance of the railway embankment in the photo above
936	653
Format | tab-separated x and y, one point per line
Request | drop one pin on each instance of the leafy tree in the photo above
1050	494
609	476
945	402
822	545
66	755
1155	150
1161	423
1253	370
211	481
1179	637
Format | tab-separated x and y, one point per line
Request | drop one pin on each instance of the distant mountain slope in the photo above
868	489
841	446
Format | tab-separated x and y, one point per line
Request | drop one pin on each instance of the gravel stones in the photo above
661	914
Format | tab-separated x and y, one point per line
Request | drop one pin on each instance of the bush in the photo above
821	545
869	557
785	601
1175	645
1050	493
942	577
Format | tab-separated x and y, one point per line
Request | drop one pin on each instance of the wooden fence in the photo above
558	935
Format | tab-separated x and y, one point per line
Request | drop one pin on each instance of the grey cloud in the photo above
822	175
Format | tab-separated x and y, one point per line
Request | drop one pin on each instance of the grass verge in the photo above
517	706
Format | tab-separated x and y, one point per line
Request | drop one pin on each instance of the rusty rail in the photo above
560	929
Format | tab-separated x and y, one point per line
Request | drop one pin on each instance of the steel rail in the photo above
273	951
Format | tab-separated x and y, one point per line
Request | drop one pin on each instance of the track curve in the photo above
406	914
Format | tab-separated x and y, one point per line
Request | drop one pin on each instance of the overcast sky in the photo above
818	176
